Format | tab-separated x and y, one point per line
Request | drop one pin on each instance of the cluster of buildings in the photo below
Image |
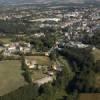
49	71
13	14
46	19
14	48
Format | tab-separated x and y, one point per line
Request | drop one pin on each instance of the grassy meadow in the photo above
10	76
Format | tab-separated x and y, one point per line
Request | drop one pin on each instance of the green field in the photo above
10	76
42	60
37	74
5	40
96	54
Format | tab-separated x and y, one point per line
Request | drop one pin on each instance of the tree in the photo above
23	65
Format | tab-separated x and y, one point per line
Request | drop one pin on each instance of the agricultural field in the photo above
96	54
10	76
97	84
5	39
42	60
36	75
89	96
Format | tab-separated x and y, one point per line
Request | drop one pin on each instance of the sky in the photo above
43	1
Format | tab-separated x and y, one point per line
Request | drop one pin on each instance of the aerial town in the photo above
49	52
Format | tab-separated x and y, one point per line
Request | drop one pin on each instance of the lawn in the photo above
42	60
10	76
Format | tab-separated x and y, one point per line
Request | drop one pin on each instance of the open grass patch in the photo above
10	76
97	83
5	39
42	60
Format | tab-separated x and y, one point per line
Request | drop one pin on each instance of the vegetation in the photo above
80	68
76	64
96	54
43	43
50	91
42	60
26	72
10	76
12	26
94	40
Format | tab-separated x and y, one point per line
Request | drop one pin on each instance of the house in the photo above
44	80
46	53
46	19
18	47
57	67
76	44
31	63
50	73
6	53
26	50
93	48
39	35
12	49
6	45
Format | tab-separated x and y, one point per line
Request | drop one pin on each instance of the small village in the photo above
47	68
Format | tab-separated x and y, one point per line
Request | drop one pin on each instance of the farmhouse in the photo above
31	63
44	80
12	49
